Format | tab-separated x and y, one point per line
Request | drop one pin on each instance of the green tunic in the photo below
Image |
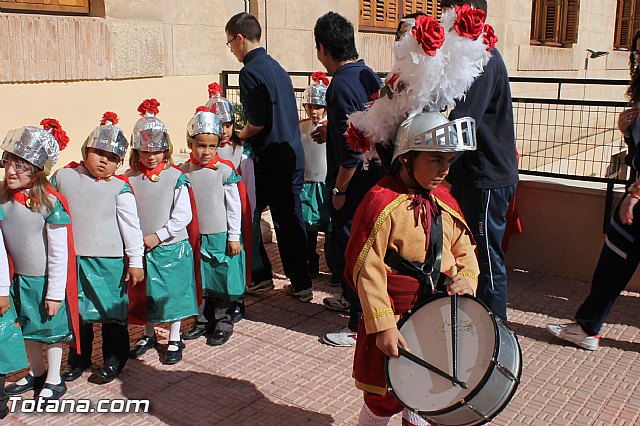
171	285
315	206
102	290
13	356
223	276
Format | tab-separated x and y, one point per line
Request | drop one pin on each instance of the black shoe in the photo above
33	383
219	337
57	390
198	330
143	345
174	357
70	373
237	315
106	374
4	408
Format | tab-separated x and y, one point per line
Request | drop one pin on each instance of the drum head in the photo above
427	331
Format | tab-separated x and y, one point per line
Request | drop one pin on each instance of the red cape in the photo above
72	273
376	205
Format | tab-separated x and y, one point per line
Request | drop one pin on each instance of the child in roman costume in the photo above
164	208
408	218
13	356
232	149
37	239
108	244
219	211
315	207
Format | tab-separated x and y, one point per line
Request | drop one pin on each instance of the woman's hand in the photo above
233	248
626	209
388	340
460	285
136	275
52	306
626	119
5	304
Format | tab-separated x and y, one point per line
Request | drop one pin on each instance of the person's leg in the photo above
286	211
261	265
313	258
37	367
115	345
485	211
223	310
54	386
330	258
618	261
82	360
4	399
377	410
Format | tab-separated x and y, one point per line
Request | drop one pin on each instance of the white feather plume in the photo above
431	83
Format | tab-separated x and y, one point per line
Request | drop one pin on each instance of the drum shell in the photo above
496	390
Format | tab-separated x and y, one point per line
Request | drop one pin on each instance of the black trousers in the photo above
219	313
281	193
115	345
618	261
4	410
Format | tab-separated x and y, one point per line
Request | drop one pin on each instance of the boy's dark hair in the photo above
336	34
478	4
409	16
245	24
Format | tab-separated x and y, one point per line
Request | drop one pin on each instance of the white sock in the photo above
174	335
149	329
201	317
54	356
36	359
367	418
414	418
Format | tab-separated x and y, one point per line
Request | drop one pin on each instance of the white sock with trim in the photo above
54	356
149	329
413	418
174	335
36	359
367	418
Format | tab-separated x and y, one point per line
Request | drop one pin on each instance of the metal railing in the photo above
560	131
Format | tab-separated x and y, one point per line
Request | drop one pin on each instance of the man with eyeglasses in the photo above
272	130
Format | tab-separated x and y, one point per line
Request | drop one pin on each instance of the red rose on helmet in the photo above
429	33
470	22
357	140
490	38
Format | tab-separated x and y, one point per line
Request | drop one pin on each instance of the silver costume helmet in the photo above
217	104
40	147
432	131
149	133
204	122
107	137
315	94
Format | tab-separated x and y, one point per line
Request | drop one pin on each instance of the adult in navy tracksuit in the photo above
269	104
351	88
484	181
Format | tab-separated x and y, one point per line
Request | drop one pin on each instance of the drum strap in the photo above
428	273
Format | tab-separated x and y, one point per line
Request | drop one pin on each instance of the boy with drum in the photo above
408	227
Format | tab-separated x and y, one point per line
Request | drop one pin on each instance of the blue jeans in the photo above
485	212
618	261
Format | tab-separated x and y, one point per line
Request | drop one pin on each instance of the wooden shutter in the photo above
379	15
571	13
623	23
367	9
634	20
550	21
63	6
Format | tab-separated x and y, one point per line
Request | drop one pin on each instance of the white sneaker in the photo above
573	333
342	338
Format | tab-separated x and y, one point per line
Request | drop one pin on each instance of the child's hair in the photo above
245	24
192	140
38	188
478	4
336	34
134	158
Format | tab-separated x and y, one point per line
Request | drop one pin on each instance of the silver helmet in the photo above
432	131
222	107
150	135
204	122
315	94
32	144
107	137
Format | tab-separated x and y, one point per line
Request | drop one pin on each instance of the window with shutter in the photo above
555	22
44	6
383	15
627	23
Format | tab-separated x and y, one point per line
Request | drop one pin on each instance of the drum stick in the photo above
421	362
454	327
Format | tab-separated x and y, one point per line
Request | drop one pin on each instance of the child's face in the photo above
101	164
227	131
314	112
204	147
151	159
430	168
17	173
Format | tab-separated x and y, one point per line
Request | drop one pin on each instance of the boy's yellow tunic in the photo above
385	220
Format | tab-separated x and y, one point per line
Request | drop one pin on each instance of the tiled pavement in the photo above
275	371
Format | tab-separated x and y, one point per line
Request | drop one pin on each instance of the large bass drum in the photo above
488	361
